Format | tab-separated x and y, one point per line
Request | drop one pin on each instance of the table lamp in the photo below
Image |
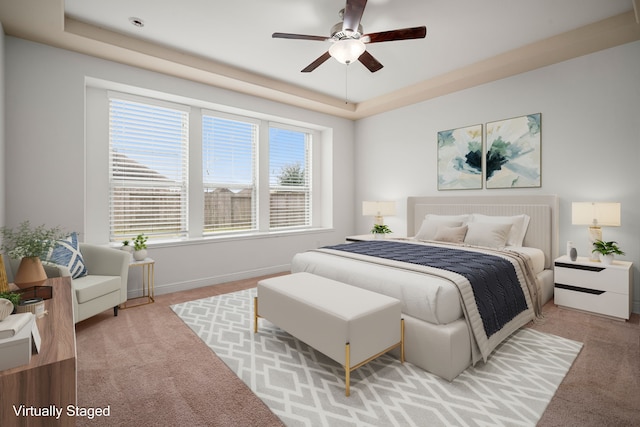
595	215
378	210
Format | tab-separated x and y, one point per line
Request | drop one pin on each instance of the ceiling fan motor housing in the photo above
337	33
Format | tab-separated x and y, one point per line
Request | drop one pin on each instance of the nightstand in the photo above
593	286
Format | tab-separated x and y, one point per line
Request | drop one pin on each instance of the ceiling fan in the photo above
348	41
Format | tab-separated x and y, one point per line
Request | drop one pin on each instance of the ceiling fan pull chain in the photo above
346	85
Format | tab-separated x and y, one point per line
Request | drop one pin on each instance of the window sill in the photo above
235	237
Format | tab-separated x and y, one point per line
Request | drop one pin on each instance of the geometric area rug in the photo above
303	387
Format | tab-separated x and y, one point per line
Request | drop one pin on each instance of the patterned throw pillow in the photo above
66	253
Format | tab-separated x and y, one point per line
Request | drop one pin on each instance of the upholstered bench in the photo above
348	324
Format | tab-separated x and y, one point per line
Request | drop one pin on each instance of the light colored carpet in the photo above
304	387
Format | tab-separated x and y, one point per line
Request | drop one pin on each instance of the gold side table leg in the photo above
152	282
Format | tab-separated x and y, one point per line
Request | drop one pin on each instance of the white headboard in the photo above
542	232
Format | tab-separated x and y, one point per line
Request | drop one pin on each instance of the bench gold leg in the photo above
347	371
401	340
255	315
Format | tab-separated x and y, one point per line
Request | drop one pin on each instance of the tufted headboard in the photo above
542	232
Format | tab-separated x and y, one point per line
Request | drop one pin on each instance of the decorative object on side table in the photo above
30	245
6	308
13	297
606	250
379	230
572	252
140	247
127	247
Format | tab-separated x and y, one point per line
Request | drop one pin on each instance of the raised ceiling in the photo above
229	44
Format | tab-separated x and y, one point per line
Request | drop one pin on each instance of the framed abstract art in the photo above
460	158
513	152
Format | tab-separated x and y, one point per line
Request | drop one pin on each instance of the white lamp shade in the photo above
378	208
596	214
346	51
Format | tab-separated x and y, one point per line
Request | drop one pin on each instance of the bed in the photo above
443	325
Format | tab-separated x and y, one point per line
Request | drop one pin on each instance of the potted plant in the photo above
126	246
379	230
140	247
30	245
606	250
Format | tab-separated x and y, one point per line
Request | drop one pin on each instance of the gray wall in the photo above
590	142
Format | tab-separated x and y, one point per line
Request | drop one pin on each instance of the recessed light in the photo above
136	21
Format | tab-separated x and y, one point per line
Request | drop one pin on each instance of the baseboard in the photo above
168	288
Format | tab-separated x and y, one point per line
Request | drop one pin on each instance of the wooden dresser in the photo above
50	378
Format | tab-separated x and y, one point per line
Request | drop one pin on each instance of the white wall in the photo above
45	149
590	142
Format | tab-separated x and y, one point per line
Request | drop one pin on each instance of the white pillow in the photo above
519	223
430	226
450	234
487	234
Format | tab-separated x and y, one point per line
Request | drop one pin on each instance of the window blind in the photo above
229	171
289	178
148	168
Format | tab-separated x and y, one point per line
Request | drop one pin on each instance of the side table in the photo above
593	286
148	283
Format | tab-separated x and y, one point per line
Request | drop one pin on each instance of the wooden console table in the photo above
50	378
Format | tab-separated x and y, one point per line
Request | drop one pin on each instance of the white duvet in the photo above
429	298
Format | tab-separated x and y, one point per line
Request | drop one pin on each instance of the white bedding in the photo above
536	255
429	298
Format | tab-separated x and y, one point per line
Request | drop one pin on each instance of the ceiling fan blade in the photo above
353	11
315	64
297	36
401	34
370	62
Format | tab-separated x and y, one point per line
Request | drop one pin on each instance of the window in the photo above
148	170
180	171
228	174
289	178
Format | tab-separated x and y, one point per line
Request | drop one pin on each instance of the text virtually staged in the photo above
55	412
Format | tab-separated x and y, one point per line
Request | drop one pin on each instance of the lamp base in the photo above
595	234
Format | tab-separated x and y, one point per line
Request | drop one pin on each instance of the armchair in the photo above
105	285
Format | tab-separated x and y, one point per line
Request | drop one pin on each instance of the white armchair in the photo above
105	285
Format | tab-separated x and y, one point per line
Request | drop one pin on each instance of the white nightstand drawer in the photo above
608	278
607	303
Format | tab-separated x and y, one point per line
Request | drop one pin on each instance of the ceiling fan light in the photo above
346	51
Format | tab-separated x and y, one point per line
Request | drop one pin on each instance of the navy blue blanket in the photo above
496	288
